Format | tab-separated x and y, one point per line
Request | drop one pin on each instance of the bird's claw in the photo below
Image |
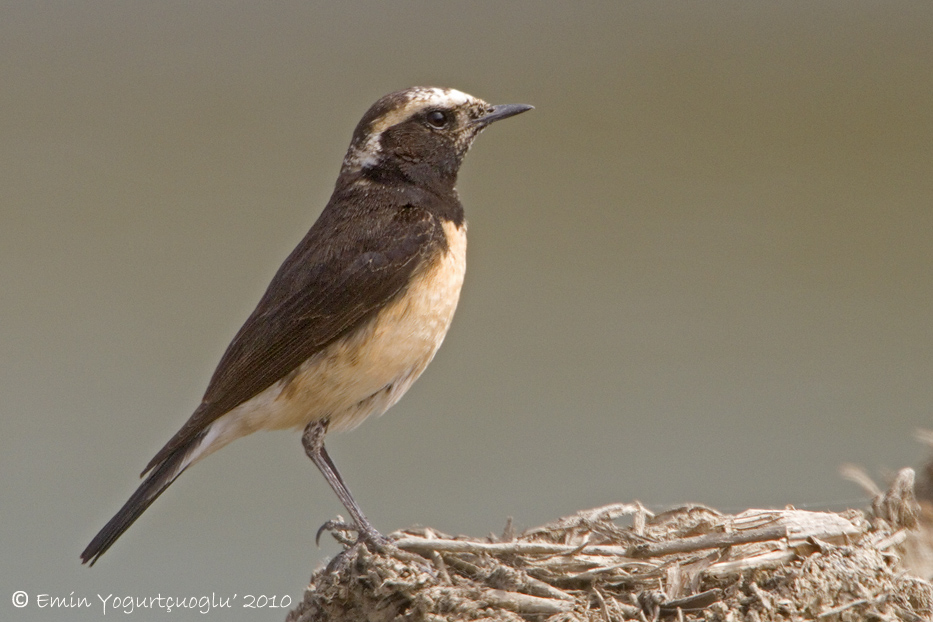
338	529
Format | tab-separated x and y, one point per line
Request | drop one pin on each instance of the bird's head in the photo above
420	134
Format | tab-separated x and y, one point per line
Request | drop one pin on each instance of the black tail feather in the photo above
158	480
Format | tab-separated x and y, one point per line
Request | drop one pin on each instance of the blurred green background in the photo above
699	271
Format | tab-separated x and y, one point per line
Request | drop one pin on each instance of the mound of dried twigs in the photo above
692	563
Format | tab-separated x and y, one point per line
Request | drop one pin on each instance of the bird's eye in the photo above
437	118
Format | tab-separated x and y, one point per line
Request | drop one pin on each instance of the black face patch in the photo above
420	153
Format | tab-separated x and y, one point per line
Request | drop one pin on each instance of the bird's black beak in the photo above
502	111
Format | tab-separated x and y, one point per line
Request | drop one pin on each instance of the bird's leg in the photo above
313	442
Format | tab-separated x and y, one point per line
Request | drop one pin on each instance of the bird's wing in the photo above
315	298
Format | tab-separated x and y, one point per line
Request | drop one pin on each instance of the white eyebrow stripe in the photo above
420	99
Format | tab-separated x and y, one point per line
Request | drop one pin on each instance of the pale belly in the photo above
363	374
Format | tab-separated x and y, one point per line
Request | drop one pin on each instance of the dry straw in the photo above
691	563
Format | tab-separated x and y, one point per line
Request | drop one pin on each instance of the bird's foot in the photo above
338	529
372	541
341	529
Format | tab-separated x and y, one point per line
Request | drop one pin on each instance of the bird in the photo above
356	312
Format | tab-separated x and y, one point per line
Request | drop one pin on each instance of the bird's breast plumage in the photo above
370	369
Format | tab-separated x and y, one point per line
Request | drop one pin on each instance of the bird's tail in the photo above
155	483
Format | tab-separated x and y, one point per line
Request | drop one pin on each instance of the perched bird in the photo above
357	311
